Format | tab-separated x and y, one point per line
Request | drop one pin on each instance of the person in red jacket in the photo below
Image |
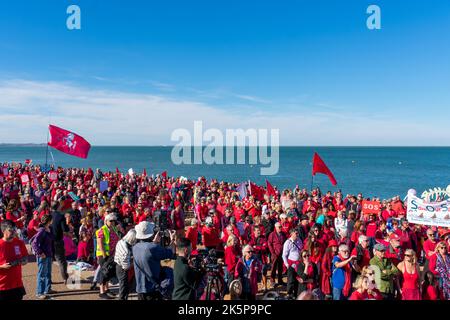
192	233
210	235
259	243
233	253
326	266
14	213
248	271
275	244
177	217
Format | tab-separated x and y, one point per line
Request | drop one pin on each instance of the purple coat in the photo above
43	243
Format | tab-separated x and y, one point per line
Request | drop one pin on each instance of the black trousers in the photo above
12	294
124	286
292	284
277	268
60	257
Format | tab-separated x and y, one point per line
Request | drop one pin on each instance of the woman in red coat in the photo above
248	270
325	274
232	255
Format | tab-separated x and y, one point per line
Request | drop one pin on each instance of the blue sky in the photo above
312	69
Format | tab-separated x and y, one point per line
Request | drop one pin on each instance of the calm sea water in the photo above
374	171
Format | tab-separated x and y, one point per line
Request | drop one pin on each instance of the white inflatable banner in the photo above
427	213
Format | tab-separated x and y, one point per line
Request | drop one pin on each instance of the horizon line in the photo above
281	146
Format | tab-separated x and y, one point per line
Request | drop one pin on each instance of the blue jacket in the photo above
147	265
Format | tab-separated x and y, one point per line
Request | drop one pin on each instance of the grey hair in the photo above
246	247
342	247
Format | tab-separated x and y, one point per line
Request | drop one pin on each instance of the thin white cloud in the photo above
108	117
251	98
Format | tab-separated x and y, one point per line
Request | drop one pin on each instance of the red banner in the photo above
370	207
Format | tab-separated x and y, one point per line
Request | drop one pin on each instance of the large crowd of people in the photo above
301	244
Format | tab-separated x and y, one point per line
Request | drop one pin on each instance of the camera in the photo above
161	219
207	261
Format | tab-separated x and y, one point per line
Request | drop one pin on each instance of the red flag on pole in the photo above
164	174
28	161
270	189
320	167
256	191
68	142
144	173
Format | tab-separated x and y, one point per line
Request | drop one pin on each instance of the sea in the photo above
374	171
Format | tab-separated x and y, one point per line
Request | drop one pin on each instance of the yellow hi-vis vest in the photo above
105	240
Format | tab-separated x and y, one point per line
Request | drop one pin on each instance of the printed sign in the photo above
370	207
53	176
427	213
25	179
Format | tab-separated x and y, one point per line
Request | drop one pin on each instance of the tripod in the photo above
214	285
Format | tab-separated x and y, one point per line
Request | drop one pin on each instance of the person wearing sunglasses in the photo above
341	278
307	273
429	246
248	271
409	268
442	268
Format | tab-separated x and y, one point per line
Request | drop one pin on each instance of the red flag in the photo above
270	189
28	161
68	142
117	170
164	174
144	173
320	167
256	191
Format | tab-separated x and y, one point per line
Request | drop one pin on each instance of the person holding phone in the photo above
341	278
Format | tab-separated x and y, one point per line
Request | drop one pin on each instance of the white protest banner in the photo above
427	213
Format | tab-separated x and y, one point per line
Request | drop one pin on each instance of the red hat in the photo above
332	243
394	236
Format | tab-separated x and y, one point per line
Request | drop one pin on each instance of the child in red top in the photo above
84	252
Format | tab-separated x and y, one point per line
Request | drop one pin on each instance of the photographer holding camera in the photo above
148	254
184	274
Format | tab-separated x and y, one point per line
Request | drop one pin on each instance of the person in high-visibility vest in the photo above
107	238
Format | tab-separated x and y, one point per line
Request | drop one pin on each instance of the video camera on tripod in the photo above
211	284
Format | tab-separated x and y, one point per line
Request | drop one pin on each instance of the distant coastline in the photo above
170	146
22	144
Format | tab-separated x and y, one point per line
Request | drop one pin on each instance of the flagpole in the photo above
46	152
